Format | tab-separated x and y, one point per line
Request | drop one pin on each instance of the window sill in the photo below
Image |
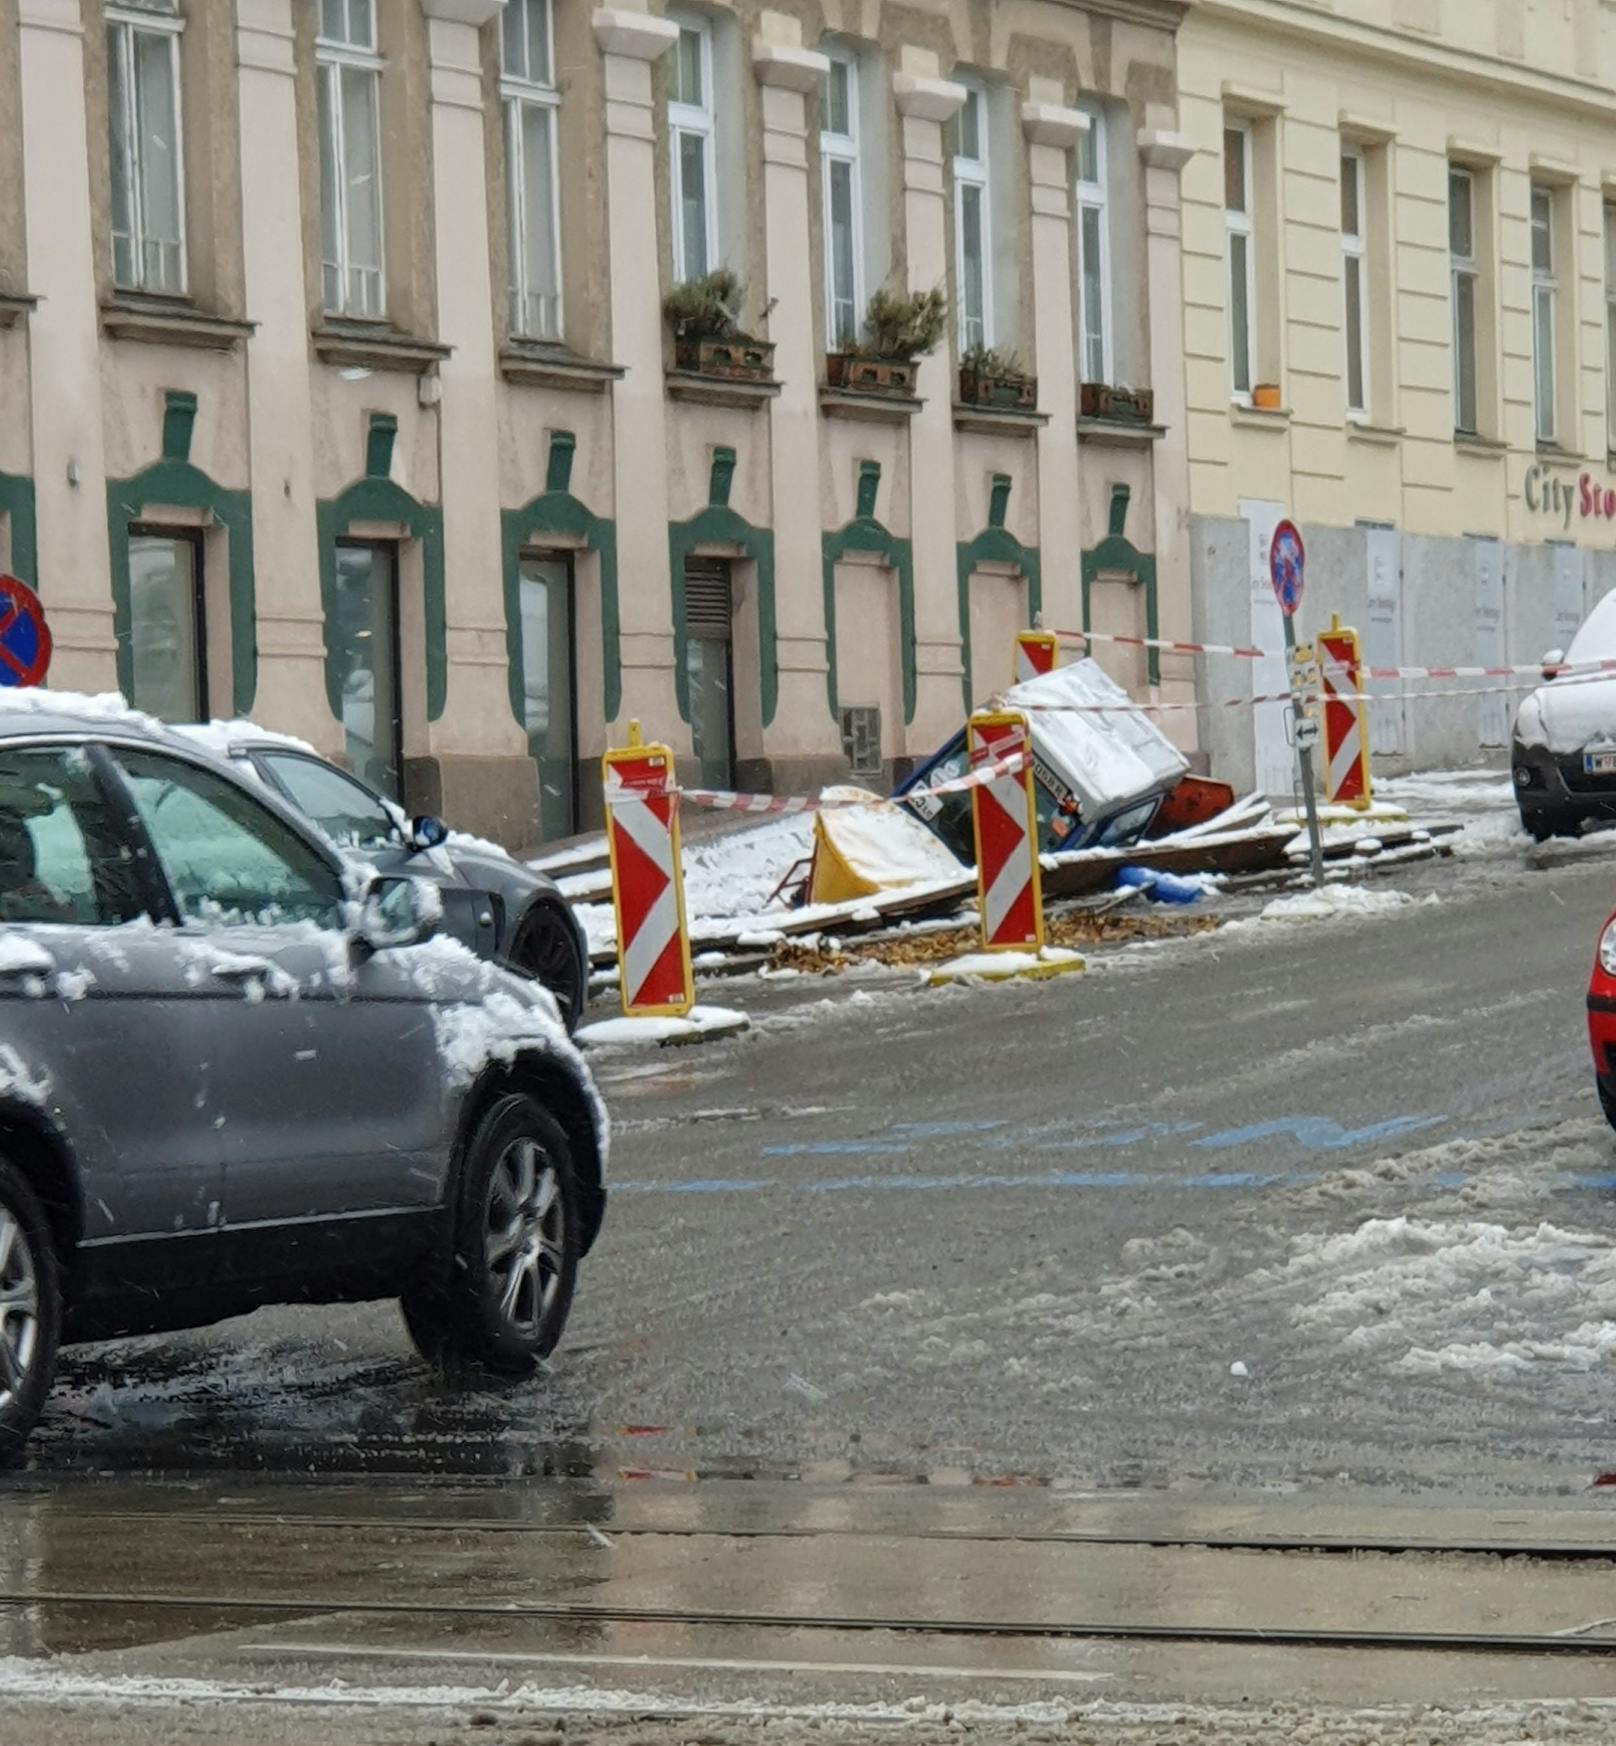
1553	452
14	305
1118	431
1380	436
160	322
868	408
998	420
743	392
373	345
1467	442
552	366
1260	417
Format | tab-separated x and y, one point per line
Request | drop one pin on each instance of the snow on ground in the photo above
1335	902
1480	802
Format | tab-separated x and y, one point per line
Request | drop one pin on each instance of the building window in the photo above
1462	267
144	146
1545	294
1610	328
349	71
691	127
973	221
843	207
1094	251
1237	209
1354	290
545	588
363	634
167	624
531	100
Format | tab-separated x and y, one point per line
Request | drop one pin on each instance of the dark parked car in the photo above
498	907
236	1070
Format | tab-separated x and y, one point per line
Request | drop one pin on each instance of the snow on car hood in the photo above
1566	714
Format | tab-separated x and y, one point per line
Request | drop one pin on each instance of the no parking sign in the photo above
25	639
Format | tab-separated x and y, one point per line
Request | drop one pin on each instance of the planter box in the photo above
1013	393
895	376
1119	405
737	359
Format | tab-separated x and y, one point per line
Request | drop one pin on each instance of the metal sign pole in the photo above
1306	730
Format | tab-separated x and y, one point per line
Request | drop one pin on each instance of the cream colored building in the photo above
338	389
1399	231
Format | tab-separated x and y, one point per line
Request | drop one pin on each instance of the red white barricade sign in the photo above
1346	728
642	837
1004	817
1037	653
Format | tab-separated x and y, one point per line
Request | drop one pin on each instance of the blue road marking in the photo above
1316	1132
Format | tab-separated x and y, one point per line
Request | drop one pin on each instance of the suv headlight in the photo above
1607	948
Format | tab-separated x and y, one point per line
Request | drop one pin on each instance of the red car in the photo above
1602	1019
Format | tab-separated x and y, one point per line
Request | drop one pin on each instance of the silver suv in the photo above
235	1071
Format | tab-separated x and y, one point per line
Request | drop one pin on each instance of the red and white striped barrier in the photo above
642	838
1004	817
1037	653
1346	722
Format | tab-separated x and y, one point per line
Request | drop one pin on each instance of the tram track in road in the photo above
1544	1551
260	1609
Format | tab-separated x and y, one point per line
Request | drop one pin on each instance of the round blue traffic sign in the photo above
1287	558
25	639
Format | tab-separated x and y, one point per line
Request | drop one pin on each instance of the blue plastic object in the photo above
1159	887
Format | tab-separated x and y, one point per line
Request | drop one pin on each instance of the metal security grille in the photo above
861	739
707	598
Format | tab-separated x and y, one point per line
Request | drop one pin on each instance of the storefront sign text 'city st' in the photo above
1548	494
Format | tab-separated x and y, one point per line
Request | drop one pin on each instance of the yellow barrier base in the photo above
1007	967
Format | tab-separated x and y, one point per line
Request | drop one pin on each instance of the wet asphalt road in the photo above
1026	1232
981	1258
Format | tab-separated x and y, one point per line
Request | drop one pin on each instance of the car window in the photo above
229	860
62	858
345	810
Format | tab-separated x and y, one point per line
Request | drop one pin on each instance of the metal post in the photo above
1304	731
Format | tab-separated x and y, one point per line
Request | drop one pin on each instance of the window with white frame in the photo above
1463	274
1239	242
527	85
1354	289
842	204
1094	251
1610	327
691	134
973	221
349	71
145	149
1545	294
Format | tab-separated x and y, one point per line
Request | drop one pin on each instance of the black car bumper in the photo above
1555	784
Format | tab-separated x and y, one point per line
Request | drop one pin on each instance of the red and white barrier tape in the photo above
724	800
1165	645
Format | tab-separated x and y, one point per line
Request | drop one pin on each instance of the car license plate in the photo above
1599	763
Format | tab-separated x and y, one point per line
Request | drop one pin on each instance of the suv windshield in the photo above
344	809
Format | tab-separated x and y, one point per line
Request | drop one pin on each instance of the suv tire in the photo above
30	1311
514	1256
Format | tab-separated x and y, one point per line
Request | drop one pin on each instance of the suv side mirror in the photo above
398	912
1552	662
428	832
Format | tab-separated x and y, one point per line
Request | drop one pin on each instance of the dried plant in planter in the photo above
991	377
899	327
704	314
